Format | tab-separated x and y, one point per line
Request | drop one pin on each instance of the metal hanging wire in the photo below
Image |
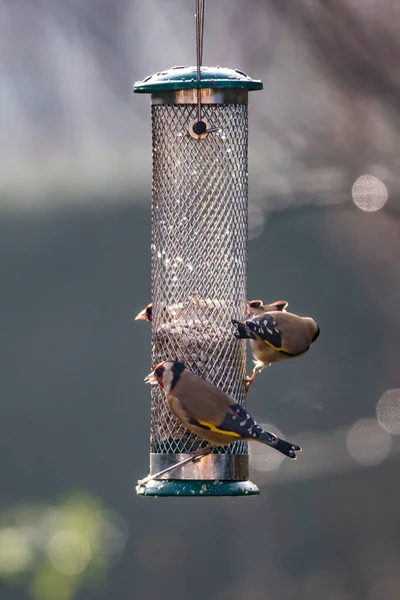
199	48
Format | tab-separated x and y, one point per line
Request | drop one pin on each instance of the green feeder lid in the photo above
185	78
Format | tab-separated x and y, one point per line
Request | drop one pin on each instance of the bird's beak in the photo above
151	378
142	316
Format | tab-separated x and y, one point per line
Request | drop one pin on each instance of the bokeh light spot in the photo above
369	193
69	552
15	552
388	411
368	443
261	457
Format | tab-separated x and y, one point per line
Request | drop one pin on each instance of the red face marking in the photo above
159	373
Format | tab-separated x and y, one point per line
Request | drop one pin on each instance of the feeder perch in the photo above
199	262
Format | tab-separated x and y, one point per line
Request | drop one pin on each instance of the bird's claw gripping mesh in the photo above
199	256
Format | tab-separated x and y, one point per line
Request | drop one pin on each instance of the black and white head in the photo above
166	375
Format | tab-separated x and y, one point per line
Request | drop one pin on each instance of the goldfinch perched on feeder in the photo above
209	412
255	308
276	336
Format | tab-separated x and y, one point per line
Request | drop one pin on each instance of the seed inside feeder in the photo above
189	333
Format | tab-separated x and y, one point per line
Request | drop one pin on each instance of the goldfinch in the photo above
209	412
276	336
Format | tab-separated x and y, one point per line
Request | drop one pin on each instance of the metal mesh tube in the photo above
199	255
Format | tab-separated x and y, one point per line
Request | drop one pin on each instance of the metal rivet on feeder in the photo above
199	260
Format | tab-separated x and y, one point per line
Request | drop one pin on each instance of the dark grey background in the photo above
75	258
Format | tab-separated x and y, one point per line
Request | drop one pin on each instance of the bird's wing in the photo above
200	399
239	423
284	332
265	328
206	406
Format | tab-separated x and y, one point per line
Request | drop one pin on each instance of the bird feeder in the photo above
199	262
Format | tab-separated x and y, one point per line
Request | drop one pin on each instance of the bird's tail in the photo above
286	448
242	332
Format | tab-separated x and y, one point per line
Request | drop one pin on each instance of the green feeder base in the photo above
191	487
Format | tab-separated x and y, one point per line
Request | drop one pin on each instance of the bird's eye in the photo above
160	372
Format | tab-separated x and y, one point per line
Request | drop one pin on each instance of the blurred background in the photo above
75	185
